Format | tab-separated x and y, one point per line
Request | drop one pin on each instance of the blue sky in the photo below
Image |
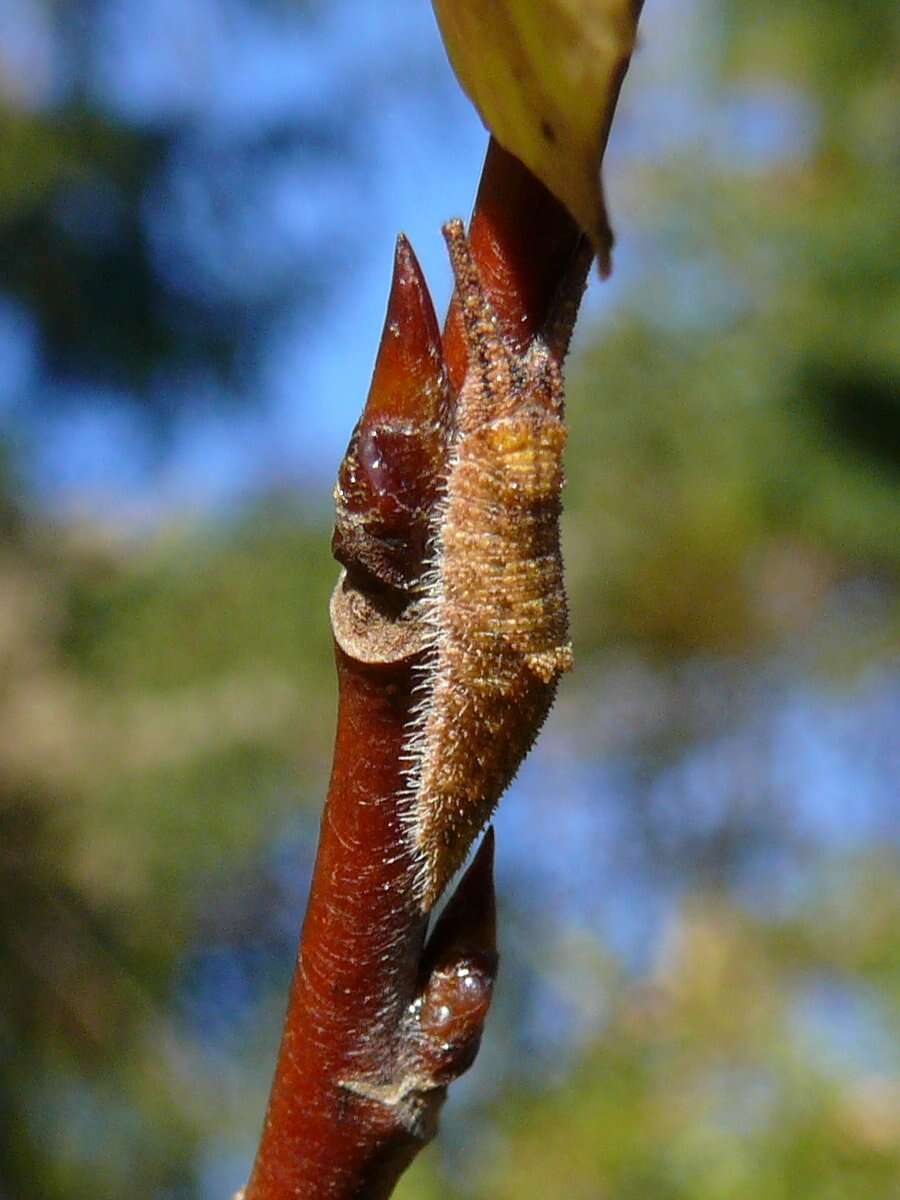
164	61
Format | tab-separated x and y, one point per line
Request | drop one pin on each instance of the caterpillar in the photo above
493	603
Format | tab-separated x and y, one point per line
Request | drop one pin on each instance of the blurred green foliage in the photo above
151	701
166	703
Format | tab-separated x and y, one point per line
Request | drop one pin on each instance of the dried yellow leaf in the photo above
545	77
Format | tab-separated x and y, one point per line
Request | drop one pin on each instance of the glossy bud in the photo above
390	476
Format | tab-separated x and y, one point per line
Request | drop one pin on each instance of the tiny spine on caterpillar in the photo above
493	597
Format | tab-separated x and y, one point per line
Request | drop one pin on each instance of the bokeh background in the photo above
700	986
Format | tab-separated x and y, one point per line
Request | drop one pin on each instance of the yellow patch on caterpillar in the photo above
548	664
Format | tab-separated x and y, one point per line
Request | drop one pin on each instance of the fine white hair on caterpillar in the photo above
493	597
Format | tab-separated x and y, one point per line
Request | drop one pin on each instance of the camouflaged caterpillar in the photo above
493	598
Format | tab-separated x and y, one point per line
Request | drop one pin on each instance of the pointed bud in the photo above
408	379
460	966
391	473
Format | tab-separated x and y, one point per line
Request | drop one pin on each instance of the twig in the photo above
378	1021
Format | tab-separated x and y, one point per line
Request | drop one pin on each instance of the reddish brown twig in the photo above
378	1021
527	248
